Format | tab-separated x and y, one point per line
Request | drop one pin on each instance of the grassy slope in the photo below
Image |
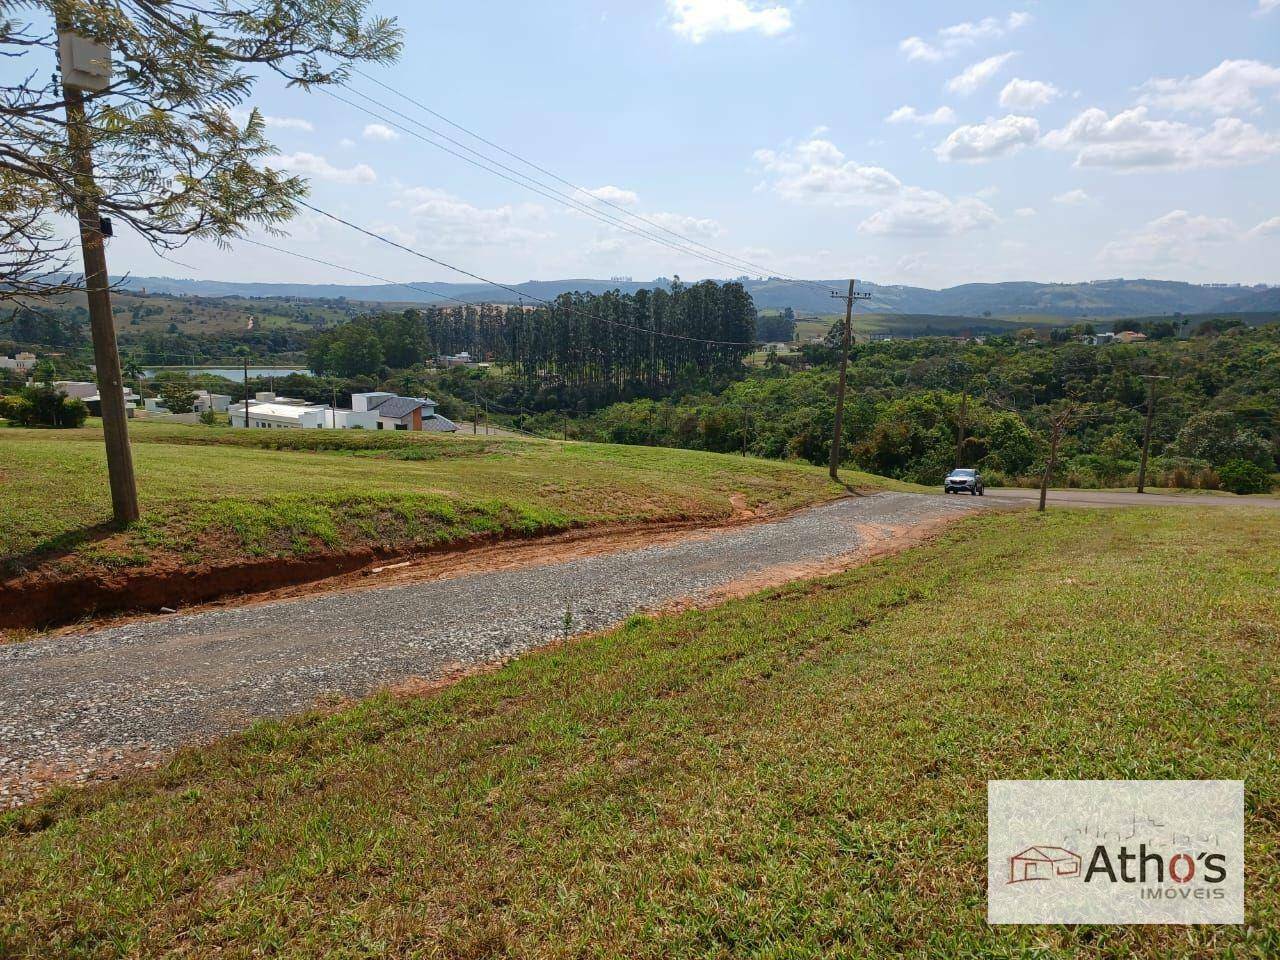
801	773
218	493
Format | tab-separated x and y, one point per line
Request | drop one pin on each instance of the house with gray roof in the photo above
402	413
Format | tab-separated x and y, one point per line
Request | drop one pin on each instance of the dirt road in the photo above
81	706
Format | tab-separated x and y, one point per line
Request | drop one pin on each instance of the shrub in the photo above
16	409
1208	479
43	406
1241	476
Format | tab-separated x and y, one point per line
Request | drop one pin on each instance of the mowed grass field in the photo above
801	773
218	494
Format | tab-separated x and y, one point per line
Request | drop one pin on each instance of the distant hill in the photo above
1102	298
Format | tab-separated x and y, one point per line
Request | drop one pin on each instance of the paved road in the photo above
1112	498
84	702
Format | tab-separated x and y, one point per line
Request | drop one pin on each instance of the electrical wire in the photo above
502	286
721	255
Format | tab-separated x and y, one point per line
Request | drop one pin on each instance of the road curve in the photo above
77	706
1120	498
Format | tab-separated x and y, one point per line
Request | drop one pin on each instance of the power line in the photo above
502	286
559	179
533	185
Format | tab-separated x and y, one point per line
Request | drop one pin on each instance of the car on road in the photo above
964	480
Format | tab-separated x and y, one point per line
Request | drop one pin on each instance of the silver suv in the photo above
964	480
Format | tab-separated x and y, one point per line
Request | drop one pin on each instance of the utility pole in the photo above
246	391
1146	433
964	423
87	66
844	367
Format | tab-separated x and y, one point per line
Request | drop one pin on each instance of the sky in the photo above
923	143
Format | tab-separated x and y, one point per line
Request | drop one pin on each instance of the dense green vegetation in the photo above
909	399
593	348
798	774
595	367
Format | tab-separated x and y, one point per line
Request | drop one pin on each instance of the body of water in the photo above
231	373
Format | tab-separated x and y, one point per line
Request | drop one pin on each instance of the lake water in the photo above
232	373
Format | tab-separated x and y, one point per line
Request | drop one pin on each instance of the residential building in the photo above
268	411
218	402
402	413
88	392
19	363
1130	336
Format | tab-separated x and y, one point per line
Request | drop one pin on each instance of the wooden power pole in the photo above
961	427
87	66
1146	432
845	337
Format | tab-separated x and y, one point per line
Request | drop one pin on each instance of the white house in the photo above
88	392
20	363
402	413
267	411
204	400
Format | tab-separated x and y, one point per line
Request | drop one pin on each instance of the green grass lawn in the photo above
220	494
798	774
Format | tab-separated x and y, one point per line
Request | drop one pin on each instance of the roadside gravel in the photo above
83	706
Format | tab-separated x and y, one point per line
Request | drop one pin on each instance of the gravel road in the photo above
80	706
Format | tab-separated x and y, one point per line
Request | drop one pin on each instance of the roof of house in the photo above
397	408
285	411
439	424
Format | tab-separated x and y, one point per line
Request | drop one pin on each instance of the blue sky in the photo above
925	143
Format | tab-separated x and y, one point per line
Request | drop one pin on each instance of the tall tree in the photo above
141	132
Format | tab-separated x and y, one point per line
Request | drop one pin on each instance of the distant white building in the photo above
402	413
20	363
463	359
267	411
88	392
219	402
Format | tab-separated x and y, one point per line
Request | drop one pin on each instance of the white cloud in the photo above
1267	228
450	221
1227	88
378	131
1072	198
1025	212
1132	141
950	40
314	165
918	49
688	226
1266	6
976	74
291	123
916	212
977	142
241	116
346	142
1177	238
695	20
615	195
1019	94
816	171
912	115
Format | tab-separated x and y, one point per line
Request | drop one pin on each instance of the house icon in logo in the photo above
1043	863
